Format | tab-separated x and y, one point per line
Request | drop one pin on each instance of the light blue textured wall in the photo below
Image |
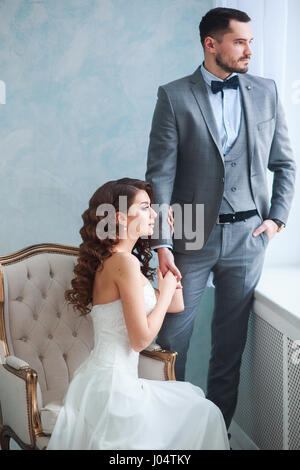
81	79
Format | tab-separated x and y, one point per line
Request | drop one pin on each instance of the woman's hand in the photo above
166	284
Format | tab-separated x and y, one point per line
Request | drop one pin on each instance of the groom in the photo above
214	135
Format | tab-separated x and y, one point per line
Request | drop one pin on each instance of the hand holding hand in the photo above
166	262
167	283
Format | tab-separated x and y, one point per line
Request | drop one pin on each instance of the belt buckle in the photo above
221	223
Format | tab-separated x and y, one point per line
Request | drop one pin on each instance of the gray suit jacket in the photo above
185	158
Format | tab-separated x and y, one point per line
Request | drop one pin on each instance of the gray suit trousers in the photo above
236	259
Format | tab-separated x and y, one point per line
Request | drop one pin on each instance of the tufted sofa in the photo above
43	340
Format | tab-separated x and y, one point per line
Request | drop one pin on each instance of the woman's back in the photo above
105	288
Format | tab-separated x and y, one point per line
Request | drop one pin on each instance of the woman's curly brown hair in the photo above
93	251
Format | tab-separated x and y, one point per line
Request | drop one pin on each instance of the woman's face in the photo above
141	216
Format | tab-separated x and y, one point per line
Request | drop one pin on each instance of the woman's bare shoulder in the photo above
125	263
116	271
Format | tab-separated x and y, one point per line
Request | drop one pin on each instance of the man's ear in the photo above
210	44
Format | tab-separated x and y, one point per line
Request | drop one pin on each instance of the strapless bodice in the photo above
112	347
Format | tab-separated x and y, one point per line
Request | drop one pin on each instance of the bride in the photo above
107	406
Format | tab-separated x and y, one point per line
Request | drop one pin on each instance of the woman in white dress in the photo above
107	406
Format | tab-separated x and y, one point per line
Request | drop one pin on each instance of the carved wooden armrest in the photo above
19	404
155	353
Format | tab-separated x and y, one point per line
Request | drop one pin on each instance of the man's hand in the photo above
268	226
166	262
171	219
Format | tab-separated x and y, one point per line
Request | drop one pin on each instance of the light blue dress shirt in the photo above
226	109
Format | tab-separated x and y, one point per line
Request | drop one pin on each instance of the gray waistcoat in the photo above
237	191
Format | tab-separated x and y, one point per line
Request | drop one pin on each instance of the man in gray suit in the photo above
214	135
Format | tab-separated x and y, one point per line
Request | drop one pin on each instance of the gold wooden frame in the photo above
34	423
30	375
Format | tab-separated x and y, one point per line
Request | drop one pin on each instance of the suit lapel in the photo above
201	95
248	102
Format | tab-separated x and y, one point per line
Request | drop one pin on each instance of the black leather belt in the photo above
236	217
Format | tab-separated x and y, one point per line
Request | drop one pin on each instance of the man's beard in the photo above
229	69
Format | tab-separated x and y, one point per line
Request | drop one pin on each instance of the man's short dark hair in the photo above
216	22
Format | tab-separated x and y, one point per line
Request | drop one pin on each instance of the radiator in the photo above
268	408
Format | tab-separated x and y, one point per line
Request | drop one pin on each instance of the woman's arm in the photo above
177	303
142	329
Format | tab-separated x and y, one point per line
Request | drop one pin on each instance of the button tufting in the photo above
28	275
64	356
74	334
24	339
58	314
51	274
50	336
20	298
35	317
41	358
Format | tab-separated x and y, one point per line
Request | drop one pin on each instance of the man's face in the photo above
233	53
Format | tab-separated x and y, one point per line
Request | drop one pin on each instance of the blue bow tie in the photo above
233	82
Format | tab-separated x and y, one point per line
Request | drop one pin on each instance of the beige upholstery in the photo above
43	340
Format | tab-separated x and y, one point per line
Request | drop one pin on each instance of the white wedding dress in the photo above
107	406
